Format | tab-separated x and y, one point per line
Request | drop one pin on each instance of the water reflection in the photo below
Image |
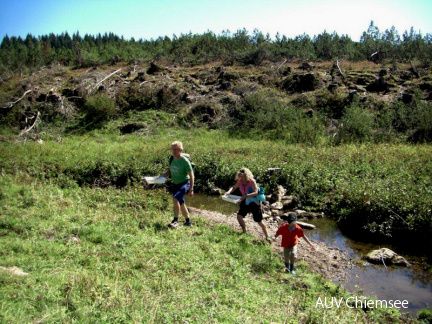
386	283
392	283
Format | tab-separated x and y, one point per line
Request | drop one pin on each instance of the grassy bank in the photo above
105	255
382	191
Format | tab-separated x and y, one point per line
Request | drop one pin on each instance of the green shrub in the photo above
423	124
99	109
357	125
425	316
263	114
331	104
135	97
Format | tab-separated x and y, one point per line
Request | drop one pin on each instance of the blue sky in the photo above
153	18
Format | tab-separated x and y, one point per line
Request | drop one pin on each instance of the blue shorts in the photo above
179	191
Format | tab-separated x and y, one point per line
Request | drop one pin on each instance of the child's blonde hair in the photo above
177	144
245	171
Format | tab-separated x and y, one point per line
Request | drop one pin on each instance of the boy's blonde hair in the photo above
177	144
245	171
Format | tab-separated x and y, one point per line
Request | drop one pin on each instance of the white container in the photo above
232	199
155	180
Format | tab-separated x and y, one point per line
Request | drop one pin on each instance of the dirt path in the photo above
328	261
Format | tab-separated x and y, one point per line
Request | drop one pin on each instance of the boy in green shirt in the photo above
182	177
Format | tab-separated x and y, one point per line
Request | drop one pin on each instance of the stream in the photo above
413	284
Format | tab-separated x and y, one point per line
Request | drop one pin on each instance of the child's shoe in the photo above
188	223
287	270
173	224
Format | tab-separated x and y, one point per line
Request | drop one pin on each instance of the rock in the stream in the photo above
387	256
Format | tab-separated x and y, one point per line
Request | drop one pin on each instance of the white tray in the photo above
231	198
155	180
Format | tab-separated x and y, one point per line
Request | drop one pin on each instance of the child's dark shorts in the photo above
251	208
179	191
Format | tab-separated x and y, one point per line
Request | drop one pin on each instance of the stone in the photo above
277	205
14	271
289	202
387	257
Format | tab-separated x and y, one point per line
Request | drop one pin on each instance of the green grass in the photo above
106	255
382	190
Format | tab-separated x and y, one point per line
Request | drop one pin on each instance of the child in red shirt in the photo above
290	233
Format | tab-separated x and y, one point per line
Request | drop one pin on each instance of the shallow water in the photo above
391	283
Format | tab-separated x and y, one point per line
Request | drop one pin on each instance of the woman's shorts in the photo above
179	191
253	208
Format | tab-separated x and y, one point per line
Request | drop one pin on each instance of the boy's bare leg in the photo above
176	207
184	211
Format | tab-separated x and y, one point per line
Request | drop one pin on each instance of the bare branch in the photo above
337	63
281	65
97	84
11	104
33	125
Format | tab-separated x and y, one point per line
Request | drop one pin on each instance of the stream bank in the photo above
338	258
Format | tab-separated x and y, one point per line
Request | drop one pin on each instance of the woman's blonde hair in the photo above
177	144
245	171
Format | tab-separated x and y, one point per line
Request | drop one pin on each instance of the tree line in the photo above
18	54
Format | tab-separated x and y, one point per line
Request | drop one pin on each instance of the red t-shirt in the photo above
289	238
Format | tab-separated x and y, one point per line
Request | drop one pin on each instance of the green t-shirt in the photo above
180	169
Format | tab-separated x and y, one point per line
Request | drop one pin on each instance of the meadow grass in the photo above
379	189
106	256
76	217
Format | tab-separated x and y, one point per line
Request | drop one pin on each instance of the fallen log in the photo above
306	225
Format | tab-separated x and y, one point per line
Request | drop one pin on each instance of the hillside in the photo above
390	102
319	107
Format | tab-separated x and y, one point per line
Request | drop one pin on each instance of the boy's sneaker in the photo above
287	270
188	223
173	224
293	272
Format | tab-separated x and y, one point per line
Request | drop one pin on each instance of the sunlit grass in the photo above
96	255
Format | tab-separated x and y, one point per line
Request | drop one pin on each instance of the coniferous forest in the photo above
18	54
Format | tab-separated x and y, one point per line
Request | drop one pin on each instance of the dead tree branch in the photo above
33	125
110	75
11	104
340	71
281	65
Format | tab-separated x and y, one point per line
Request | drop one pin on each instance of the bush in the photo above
423	124
425	316
99	109
263	114
357	125
135	97
331	104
